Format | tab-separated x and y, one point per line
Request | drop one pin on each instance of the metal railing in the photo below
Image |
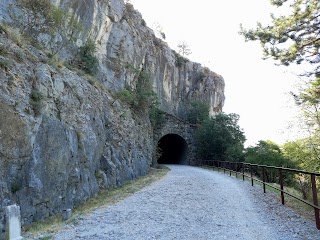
247	170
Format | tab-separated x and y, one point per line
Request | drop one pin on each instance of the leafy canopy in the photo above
294	38
267	153
220	138
198	112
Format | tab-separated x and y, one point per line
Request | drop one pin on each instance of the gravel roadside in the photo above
194	203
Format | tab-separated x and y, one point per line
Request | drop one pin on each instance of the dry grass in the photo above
103	198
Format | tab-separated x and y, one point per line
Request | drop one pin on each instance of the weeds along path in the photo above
194	203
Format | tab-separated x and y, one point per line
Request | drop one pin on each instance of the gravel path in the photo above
193	203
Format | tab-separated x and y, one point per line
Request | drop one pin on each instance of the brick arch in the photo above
174	125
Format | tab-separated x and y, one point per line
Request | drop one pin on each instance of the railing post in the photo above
315	200
236	170
264	179
251	175
243	171
281	186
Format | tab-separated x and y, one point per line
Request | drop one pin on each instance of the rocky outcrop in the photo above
64	136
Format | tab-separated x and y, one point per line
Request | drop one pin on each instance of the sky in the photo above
256	89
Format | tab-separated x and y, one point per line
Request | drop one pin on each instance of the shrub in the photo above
36	101
126	96
3	49
6	64
36	17
156	116
144	92
87	61
43	24
142	96
143	23
15	187
198	112
220	138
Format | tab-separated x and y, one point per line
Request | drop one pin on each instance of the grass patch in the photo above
103	199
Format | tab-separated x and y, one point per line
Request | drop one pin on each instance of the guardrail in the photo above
247	168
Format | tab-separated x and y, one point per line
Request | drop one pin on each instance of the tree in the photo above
294	38
220	138
268	153
183	49
198	112
305	154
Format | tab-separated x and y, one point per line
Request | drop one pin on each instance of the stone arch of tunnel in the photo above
172	149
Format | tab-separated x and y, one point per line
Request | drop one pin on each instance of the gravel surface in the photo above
194	203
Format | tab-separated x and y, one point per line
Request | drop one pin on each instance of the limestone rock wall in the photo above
63	137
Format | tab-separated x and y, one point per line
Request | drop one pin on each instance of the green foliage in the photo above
144	91
269	153
37	17
86	60
3	49
35	101
143	23
198	112
126	96
15	187
220	138
156	116
142	96
294	38
44	24
6	64
305	153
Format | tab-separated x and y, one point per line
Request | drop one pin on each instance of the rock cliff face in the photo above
63	137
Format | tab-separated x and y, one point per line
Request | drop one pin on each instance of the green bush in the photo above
144	91
126	96
142	96
6	64
15	187
36	101
3	49
86	60
198	112
37	17
156	116
220	138
269	153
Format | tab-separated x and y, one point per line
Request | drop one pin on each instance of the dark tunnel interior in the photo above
172	150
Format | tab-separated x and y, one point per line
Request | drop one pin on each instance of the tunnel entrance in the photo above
172	150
